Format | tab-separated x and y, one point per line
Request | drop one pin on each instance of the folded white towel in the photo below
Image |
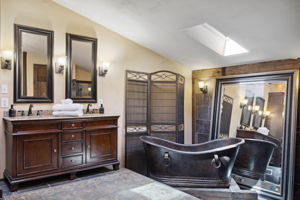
67	113
263	130
67	107
67	101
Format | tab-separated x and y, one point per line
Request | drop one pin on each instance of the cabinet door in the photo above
101	145
37	153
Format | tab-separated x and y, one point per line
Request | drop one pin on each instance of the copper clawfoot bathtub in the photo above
207	164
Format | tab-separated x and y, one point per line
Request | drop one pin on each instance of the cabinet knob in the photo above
54	150
73	125
71	160
73	136
89	146
73	148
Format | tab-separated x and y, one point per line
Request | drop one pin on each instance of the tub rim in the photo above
260	140
241	141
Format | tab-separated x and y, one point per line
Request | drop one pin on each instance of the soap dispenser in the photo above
12	111
101	109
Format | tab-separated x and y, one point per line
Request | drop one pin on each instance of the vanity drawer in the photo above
72	125
71	161
35	125
71	136
71	148
101	123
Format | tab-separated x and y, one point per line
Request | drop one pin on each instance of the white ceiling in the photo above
35	43
269	29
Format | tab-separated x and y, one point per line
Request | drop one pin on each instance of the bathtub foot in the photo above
116	166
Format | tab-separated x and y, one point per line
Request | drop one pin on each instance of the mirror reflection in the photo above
82	67
255	111
34	78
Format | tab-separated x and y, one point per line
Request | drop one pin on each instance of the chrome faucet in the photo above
88	108
30	110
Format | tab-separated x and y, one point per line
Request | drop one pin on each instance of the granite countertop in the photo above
49	117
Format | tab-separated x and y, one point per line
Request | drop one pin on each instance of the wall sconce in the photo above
256	108
60	65
6	59
264	114
243	103
249	108
103	69
253	109
203	87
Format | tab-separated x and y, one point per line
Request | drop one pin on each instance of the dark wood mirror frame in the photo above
291	78
70	37
18	98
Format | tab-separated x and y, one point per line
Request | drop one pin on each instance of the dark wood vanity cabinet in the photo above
48	147
37	153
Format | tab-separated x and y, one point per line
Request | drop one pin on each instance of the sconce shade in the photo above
267	113
7	54
256	108
61	60
201	84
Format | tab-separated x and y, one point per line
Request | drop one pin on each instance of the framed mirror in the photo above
81	74
33	78
270	124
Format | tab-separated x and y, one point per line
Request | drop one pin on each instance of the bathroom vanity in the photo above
39	147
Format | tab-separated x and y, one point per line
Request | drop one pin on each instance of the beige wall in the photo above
122	53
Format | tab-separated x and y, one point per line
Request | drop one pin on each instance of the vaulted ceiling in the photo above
269	29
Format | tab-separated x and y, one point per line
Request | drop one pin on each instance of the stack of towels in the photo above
67	109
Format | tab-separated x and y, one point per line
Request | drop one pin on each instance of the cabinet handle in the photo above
71	160
54	150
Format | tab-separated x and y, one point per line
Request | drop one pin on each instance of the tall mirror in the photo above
81	71
261	110
33	65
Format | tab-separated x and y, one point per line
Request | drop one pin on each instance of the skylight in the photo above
215	40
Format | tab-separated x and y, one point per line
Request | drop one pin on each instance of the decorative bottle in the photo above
101	109
12	111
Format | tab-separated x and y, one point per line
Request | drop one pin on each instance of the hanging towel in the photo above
67	113
67	107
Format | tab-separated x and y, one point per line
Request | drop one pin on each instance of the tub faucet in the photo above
30	110
88	108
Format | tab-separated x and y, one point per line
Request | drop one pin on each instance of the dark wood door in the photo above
40	80
101	145
276	107
37	153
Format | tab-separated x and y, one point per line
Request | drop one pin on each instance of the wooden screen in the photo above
154	106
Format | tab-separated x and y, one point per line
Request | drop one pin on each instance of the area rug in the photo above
117	185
